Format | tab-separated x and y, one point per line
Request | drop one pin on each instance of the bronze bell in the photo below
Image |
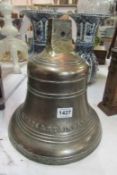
56	125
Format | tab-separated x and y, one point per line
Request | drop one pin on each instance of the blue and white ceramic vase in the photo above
39	20
87	26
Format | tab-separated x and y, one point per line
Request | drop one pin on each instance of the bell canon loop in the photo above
56	125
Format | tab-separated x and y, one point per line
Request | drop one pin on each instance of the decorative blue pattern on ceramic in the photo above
86	52
87	26
39	21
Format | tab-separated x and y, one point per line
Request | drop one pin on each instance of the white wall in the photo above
21	2
42	1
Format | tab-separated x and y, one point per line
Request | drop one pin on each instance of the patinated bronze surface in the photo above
1	92
56	125
109	102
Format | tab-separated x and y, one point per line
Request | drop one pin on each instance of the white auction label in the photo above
64	112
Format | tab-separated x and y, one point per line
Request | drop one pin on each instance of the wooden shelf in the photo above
52	5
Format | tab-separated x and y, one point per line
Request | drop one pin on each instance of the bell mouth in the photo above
53	152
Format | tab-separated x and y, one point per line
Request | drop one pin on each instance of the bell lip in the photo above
47	160
55	160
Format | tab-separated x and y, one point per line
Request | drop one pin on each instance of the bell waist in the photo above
53	89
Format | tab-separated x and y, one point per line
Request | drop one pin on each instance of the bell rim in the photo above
55	160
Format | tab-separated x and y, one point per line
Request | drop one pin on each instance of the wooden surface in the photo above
101	56
112	42
103	161
109	102
52	5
